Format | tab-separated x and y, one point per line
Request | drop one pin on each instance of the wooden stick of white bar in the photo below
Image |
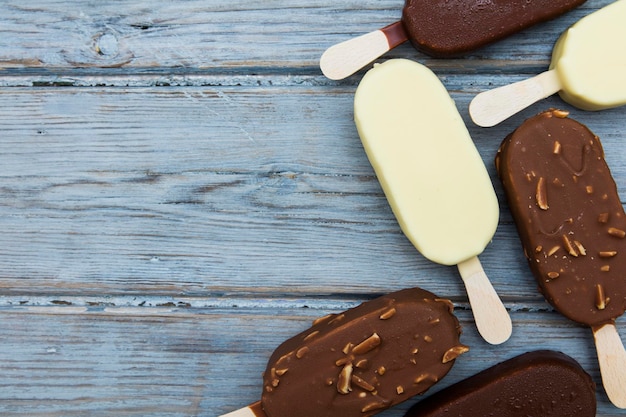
612	359
345	58
494	106
492	319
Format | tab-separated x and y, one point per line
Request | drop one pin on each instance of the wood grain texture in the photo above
181	190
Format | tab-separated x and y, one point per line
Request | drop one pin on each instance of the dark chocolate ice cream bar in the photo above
442	28
364	360
573	229
568	214
539	383
454	27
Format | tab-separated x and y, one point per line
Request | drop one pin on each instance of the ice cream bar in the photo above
432	175
538	383
571	223
442	28
362	361
586	69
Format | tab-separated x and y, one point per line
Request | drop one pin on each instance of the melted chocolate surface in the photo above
540	383
364	360
568	214
452	27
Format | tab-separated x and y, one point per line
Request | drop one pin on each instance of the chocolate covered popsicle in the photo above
433	177
442	28
573	228
588	70
538	383
362	361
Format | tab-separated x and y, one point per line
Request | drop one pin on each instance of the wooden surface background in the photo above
181	190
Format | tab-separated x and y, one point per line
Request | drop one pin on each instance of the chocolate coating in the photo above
452	27
539	383
568	215
364	360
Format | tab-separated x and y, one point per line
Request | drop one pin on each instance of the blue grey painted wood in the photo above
181	190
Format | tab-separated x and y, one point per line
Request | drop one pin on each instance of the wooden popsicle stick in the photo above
345	58
492	319
612	359
492	107
253	410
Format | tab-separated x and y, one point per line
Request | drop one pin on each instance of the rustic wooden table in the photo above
181	190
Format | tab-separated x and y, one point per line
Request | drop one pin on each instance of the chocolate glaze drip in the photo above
539	383
568	215
453	27
364	360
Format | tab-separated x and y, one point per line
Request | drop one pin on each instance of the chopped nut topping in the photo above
434	321
373	406
281	372
345	376
569	247
603	218
302	351
557	182
363	384
347	348
538	249
388	314
381	370
589	189
605	268
600	297
367	345
542	194
415	351
342	361
554	250
322	319
311	335
557	147
454	352
613	231
553	275
400	389
607	254
428	339
425	377
561	114
337	318
362	364
580	247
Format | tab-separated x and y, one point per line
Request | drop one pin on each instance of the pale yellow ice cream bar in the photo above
590	59
430	170
433	177
588	70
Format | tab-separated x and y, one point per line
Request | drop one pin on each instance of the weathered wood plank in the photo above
180	362
218	36
181	190
189	191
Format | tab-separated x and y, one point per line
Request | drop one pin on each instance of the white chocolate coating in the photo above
431	173
590	59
